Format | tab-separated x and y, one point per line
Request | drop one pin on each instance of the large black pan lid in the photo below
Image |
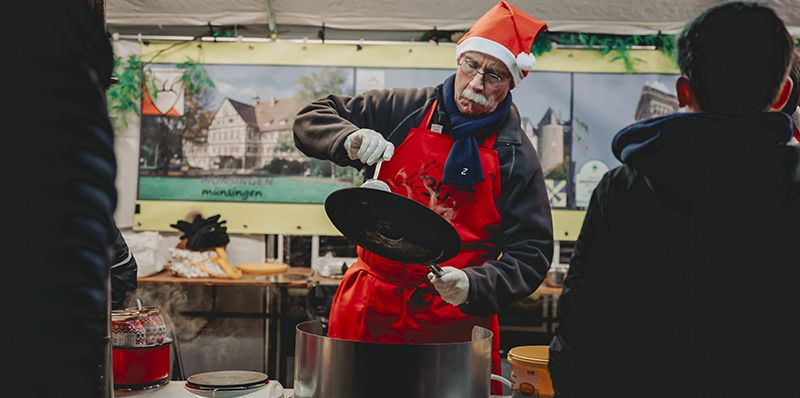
392	225
226	379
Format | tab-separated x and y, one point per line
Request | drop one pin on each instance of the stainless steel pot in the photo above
336	368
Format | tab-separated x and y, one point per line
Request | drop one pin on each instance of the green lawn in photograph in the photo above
238	189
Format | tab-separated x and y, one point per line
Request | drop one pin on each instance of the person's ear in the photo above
783	95
685	94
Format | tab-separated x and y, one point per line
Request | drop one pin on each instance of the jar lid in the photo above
529	355
227	380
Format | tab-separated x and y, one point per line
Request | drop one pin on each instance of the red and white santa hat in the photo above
507	34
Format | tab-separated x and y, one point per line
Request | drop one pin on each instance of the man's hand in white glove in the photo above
368	146
453	286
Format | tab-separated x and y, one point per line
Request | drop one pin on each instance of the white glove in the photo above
453	286
368	146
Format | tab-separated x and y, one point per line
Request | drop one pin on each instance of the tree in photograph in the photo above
318	85
172	133
285	144
125	97
311	88
319	168
162	137
561	172
295	168
279	166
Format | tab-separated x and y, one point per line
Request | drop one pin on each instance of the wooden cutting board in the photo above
263	268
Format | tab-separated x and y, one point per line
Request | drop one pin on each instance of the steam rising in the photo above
205	344
174	298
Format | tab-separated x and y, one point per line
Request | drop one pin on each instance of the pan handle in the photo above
436	270
377	169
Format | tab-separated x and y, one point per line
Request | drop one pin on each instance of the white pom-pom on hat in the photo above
526	61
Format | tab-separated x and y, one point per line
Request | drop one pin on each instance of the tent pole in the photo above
273	30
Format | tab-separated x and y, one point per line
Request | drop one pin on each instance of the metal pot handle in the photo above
503	380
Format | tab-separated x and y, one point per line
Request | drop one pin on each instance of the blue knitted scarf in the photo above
463	165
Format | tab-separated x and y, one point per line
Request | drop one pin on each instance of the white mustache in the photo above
475	97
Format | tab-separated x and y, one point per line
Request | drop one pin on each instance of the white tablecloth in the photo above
175	389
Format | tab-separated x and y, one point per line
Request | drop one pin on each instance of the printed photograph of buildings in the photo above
241	146
231	138
604	104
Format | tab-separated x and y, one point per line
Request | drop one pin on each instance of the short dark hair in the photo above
794	98
735	56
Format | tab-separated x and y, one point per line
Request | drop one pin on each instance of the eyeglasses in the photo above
470	68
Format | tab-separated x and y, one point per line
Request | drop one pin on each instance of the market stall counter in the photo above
278	338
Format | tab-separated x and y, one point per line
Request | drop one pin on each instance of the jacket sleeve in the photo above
525	241
574	348
321	127
123	271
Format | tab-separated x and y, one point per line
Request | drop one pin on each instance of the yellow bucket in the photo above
530	376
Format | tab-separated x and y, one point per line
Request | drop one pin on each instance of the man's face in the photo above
478	93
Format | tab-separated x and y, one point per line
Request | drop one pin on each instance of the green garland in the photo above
195	78
617	45
125	97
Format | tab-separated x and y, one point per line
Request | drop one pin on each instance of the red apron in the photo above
382	300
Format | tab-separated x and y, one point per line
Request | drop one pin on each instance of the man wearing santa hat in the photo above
458	148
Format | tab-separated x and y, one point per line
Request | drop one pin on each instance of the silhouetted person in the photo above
684	278
59	196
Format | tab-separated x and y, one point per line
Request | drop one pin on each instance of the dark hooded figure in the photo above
683	280
59	197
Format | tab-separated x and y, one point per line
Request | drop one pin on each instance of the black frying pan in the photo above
393	226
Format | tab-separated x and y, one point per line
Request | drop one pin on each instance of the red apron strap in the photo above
427	119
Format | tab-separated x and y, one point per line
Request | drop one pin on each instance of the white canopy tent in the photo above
626	17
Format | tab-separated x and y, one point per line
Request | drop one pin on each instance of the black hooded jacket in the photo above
684	275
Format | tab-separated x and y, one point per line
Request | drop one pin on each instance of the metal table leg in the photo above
267	325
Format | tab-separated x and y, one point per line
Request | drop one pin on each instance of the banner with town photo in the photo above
218	134
229	138
232	140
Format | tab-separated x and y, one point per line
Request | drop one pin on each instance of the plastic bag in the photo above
149	249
